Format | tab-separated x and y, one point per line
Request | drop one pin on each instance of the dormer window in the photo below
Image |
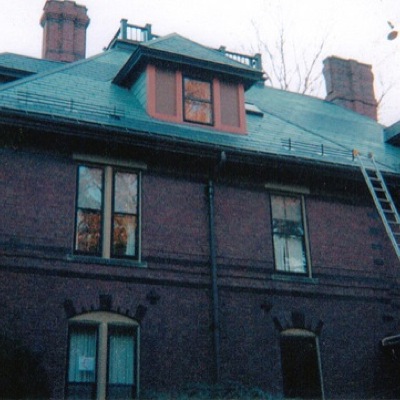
197	101
176	97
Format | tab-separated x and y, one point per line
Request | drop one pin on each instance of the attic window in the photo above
176	97
197	101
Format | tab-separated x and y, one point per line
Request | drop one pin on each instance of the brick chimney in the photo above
350	84
64	31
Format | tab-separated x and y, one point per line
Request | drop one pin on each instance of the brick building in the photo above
168	219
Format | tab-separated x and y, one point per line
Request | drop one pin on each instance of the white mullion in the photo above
107	211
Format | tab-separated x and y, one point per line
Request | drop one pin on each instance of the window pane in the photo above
198	90
124	235
82	356
90	188
125	193
198	111
288	234
289	254
285	207
300	368
88	231
121	358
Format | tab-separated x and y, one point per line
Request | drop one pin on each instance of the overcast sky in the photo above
355	29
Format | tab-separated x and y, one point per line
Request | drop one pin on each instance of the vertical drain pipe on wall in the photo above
214	271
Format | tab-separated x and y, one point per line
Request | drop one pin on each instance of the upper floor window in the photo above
107	212
197	101
103	357
289	236
178	98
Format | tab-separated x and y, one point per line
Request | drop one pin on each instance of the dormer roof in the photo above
176	51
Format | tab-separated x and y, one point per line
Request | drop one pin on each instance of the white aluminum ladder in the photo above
382	198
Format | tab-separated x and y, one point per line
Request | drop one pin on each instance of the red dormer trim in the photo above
165	101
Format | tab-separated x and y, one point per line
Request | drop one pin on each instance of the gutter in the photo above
214	270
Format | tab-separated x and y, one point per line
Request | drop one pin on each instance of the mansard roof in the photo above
82	96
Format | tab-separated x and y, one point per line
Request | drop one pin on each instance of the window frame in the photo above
103	323
299	335
186	98
86	328
176	98
304	237
109	168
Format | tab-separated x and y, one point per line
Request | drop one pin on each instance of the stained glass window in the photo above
288	234
197	105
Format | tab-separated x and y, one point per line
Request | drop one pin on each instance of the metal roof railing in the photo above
251	61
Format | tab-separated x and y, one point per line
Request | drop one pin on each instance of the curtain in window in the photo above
288	234
121	359
289	254
82	356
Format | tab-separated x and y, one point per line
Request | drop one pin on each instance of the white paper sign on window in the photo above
86	364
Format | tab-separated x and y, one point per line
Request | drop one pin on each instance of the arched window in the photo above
103	357
301	366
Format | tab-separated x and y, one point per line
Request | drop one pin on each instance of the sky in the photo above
351	29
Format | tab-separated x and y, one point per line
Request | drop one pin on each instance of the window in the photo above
289	234
107	212
301	366
102	357
175	97
197	101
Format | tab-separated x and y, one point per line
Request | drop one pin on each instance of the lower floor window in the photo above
301	367
103	357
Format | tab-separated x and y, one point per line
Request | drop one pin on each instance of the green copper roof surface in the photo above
26	64
292	125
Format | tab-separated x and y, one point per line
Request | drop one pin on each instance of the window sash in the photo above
89	210
110	227
124	240
82	362
197	101
301	367
288	234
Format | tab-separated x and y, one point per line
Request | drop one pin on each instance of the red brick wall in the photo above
350	293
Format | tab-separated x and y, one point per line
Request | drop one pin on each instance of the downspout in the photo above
214	270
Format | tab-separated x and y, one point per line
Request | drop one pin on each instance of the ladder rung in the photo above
385	200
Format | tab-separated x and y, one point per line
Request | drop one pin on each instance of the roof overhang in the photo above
144	55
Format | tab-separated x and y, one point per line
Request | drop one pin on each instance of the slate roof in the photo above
26	64
180	45
294	126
